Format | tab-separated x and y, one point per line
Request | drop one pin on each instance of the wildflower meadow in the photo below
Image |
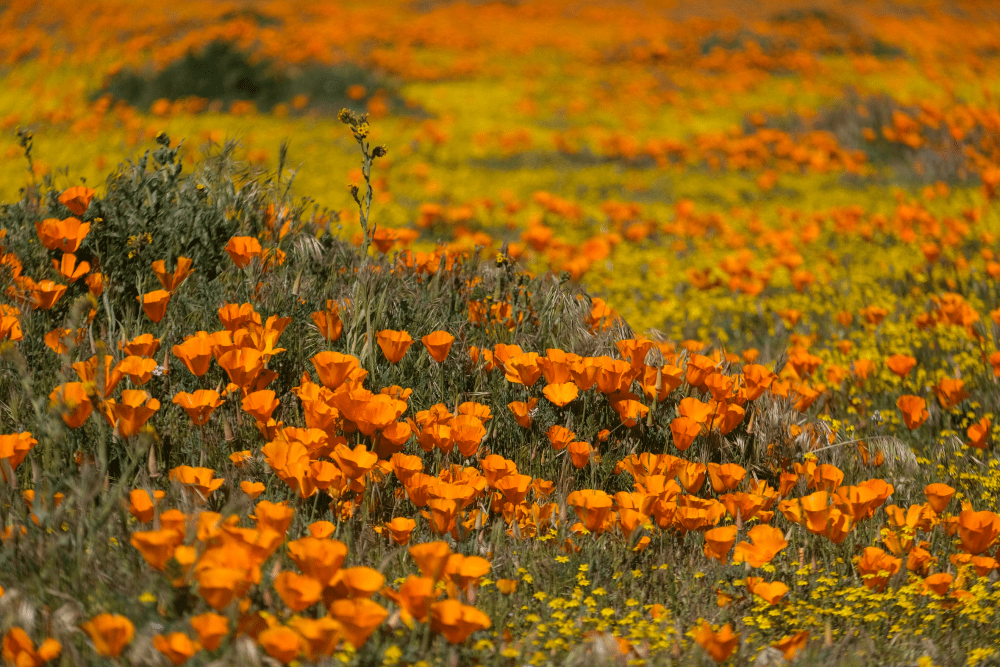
422	333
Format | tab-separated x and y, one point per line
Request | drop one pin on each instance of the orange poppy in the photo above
359	618
698	369
135	409
76	198
692	476
171	281
141	506
456	621
298	591
939	583
901	364
592	506
201	481
211	629
394	344
75	405
684	430
725	477
333	368
938	496
110	633
260	404
280	642
770	592
768	541
19	649
950	392
69	269
138	369
243	249
95	283
524	412
877	567
65	235
718	542
414	597
514	487
242	365
523	369
200	405
579	453
790	645
177	647
400	529
154	304
914	410
328	321
252	489
979	432
431	558
45	293
320	635
719	645
438	344
466	433
320	558
977	530
561	394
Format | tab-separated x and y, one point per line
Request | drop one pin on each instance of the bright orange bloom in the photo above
592	506
938	496
200	405
414	597
523	369
725	477
770	592
400	529
69	269
579	453
977	530
320	558
154	304
135	409
76	198
298	591
561	394
877	567
260	404
45	293
359	619
280	642
718	542
138	369
719	645
74	404
19	649
979	433
252	489
523	412
243	365
328	321
767	542
684	430
201	481
914	410
438	344
431	558
177	646
333	368
456	621
211	629
791	645
171	281
394	344
65	235
110	633
901	364
243	249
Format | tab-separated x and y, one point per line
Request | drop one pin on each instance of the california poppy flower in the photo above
876	567
65	235
938	496
790	645
95	283
394	344
333	368
979	433
400	529
523	369
901	364
260	404
77	198
177	647
950	392
201	481
195	353
579	453
135	409
171	281
281	642
719	645
320	635
45	293
718	542
977	530
154	304
328	321
19	649
456	621
914	410
298	591
199	405
438	344
243	249
768	541
69	269
138	369
431	558
770	592
110	633
359	619
561	394
514	487
320	558
592	506
684	430
523	412
75	405
414	597
243	365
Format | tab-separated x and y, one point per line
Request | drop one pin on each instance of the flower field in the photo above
501	334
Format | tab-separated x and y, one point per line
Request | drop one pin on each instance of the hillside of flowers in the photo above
429	333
